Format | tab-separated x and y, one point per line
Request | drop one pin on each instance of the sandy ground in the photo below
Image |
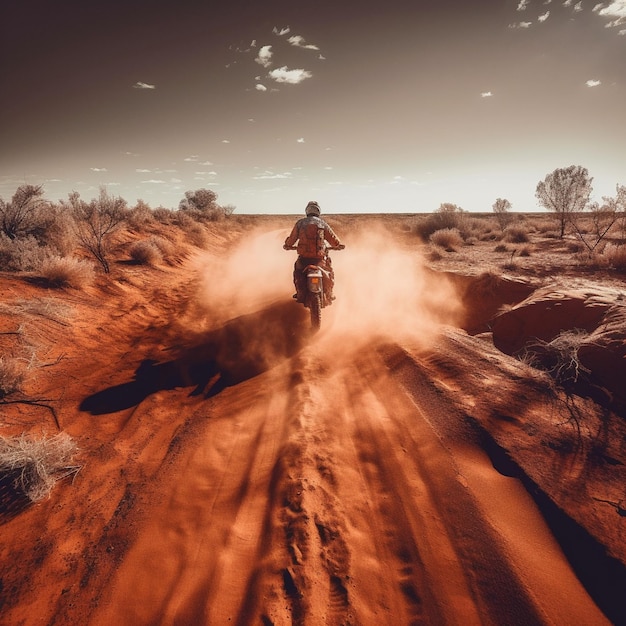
395	468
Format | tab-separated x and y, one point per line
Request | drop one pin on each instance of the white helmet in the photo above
312	208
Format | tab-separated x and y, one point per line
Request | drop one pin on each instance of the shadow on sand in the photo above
243	348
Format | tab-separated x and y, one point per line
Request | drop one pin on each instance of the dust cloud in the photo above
383	291
256	272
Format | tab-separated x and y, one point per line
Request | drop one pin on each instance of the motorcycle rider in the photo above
313	235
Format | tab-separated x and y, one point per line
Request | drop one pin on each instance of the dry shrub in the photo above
140	216
12	375
559	357
548	228
67	272
516	234
196	233
616	256
501	247
447	238
145	253
22	254
37	464
525	251
164	216
444	218
481	228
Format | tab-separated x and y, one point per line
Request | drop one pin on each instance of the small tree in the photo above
204	200
96	221
202	204
19	217
564	192
501	208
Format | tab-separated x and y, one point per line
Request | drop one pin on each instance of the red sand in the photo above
392	469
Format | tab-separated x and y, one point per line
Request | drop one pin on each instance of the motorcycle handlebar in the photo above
339	247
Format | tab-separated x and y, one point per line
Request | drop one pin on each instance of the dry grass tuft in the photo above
516	234
447	238
559	357
38	463
145	253
67	272
616	256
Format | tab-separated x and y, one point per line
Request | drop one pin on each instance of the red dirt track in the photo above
236	469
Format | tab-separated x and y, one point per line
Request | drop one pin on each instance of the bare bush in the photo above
22	254
12	375
145	253
22	215
616	256
67	272
202	205
516	234
96	221
163	215
501	247
559	357
447	238
38	464
446	216
501	208
140	216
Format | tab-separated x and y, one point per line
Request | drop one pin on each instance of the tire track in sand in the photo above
191	561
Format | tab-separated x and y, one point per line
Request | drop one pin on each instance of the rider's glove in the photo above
341	246
285	246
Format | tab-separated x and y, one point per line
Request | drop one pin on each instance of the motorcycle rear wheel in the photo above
315	306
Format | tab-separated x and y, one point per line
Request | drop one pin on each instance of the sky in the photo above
387	106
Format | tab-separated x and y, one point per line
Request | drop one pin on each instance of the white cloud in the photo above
298	42
265	55
153	181
616	9
191	159
523	4
140	85
578	7
544	17
520	25
486	94
282	31
142	171
225	141
568	3
593	83
267	175
260	87
293	77
300	140
206	173
98	169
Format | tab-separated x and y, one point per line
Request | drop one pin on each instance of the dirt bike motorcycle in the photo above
317	288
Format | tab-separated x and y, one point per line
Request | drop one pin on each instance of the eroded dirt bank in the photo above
393	469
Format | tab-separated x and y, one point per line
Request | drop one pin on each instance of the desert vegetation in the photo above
58	240
161	404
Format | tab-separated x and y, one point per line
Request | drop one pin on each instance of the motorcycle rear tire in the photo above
315	306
